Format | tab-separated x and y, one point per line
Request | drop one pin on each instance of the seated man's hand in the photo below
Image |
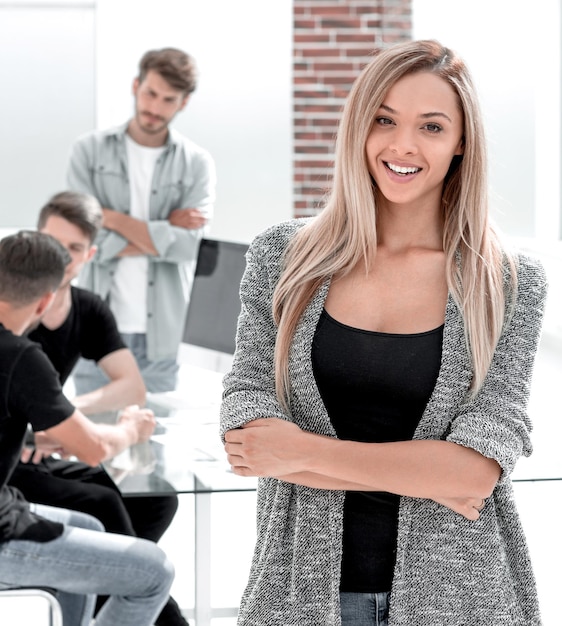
187	218
44	447
142	420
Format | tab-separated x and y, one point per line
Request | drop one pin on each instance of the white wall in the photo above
47	78
513	50
241	111
67	67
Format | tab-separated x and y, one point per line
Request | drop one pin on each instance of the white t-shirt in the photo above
127	296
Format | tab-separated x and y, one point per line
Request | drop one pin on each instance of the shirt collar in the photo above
119	133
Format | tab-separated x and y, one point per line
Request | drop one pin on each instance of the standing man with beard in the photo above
157	190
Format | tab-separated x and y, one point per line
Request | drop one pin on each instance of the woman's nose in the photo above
403	142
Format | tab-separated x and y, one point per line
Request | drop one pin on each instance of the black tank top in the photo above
375	387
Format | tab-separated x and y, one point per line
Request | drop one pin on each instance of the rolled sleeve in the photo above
249	388
195	169
495	422
109	245
174	244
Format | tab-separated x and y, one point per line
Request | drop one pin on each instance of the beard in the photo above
151	127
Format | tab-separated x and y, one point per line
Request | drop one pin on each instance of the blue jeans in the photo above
364	609
85	561
157	375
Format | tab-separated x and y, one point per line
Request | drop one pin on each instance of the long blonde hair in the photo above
345	231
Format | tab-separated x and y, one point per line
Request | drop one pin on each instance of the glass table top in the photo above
185	453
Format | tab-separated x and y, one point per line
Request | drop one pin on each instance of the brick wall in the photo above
332	41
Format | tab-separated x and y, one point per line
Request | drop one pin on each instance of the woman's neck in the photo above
400	228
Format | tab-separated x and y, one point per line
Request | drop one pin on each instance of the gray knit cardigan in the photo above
449	571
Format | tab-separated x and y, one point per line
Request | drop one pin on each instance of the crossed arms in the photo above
455	476
137	231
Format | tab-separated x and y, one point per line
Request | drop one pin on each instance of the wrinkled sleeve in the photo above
175	244
495	422
79	178
109	245
79	171
249	387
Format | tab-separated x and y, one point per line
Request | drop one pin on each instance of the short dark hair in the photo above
31	265
80	209
175	66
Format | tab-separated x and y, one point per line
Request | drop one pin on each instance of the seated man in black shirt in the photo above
43	546
80	324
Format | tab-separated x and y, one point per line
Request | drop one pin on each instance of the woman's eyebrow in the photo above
436	114
422	115
387	108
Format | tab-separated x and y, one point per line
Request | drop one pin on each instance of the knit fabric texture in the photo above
449	571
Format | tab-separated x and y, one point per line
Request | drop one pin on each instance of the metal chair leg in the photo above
55	611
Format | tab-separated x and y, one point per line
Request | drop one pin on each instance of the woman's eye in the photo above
383	121
433	128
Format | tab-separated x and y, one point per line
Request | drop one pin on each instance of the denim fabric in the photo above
364	609
85	561
157	375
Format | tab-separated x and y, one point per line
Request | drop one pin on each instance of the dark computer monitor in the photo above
214	305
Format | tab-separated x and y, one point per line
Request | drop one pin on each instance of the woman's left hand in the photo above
471	508
267	447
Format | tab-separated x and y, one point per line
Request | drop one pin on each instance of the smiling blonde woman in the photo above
383	365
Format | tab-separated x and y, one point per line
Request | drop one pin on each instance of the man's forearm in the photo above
133	230
125	387
114	439
130	250
111	397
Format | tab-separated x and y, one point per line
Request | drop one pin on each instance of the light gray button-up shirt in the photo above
184	177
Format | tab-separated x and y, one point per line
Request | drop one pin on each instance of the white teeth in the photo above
403	170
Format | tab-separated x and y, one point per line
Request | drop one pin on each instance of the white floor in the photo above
232	535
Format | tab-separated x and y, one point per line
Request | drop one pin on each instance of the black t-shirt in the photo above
89	331
375	387
30	392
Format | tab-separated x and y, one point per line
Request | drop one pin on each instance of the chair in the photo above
214	304
25	612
